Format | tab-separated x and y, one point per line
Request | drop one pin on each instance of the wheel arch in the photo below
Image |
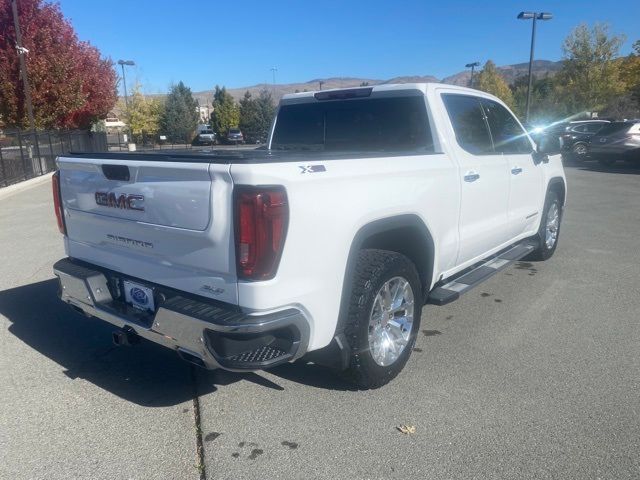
405	234
557	184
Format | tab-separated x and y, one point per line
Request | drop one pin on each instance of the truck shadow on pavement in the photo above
625	168
300	372
146	374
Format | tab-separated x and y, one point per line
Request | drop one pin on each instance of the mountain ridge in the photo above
540	68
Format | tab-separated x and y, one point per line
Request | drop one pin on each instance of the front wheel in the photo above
549	230
384	317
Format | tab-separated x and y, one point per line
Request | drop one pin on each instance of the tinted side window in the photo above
468	123
614	127
593	127
508	136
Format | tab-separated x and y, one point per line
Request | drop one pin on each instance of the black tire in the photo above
544	252
373	269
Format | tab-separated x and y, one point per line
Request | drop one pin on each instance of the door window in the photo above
468	122
593	127
508	136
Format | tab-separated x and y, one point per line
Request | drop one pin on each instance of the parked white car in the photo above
367	204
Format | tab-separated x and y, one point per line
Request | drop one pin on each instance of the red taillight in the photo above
57	202
261	216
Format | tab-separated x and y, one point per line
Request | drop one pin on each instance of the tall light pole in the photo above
321	82
532	16
472	66
273	71
122	63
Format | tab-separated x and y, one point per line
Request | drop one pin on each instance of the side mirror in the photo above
549	145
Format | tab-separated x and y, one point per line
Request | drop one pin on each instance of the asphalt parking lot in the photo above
534	374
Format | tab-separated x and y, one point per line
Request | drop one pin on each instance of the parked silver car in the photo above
206	137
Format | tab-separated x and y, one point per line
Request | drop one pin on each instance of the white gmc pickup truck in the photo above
366	204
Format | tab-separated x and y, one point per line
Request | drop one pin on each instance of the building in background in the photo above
205	113
113	124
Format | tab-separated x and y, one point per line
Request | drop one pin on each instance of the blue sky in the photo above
205	43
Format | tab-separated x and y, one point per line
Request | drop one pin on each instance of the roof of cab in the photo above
385	87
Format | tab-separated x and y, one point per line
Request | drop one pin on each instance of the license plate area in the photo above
138	296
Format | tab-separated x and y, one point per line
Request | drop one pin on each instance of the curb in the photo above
11	190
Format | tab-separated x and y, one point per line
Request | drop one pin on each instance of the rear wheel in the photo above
579	150
384	317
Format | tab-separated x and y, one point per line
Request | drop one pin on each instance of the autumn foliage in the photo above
72	85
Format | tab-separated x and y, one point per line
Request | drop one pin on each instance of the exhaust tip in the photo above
125	337
191	357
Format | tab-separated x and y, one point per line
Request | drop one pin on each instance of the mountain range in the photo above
540	68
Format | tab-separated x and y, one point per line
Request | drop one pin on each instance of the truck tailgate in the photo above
166	222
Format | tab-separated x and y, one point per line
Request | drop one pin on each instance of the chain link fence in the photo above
28	154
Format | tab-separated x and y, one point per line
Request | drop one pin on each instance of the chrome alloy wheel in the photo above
391	321
553	224
580	149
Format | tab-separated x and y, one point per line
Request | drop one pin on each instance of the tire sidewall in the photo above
546	252
399	267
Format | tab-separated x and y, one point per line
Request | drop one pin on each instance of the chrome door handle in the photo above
471	177
516	170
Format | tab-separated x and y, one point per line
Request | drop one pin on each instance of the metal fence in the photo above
28	154
121	141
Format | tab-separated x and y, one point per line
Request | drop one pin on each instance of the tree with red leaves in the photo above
72	85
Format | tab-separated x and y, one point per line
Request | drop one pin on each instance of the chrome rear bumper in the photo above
210	334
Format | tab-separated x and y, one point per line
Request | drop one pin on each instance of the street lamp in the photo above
472	66
532	16
321	82
122	63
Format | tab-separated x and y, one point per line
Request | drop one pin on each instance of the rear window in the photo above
394	124
208	132
614	128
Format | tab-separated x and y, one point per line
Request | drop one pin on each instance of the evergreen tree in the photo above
248	117
226	113
256	116
180	115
